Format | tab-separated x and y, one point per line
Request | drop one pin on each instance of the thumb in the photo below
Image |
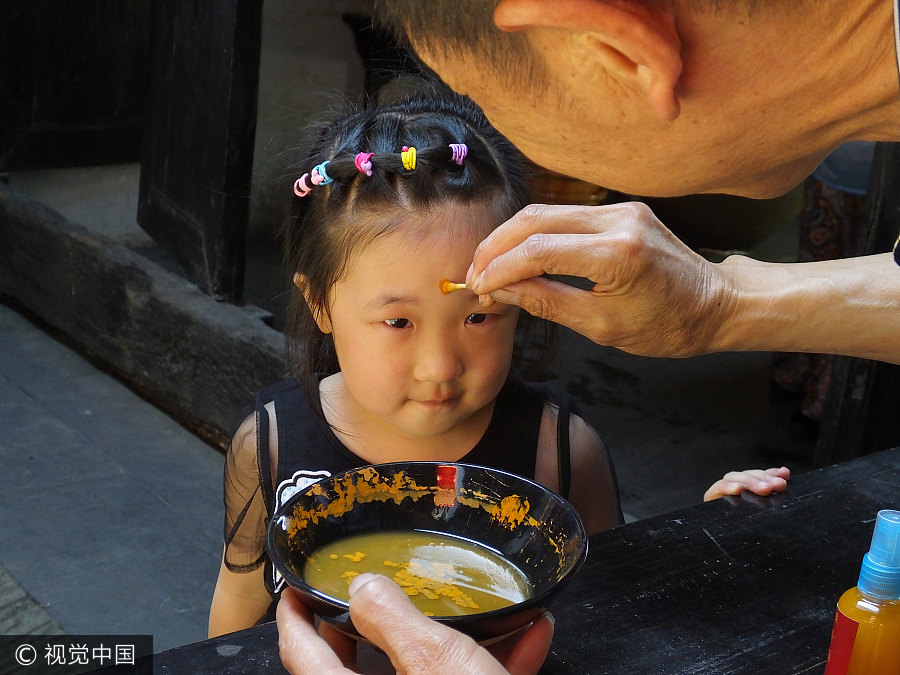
383	613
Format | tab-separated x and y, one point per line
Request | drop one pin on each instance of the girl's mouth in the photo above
439	402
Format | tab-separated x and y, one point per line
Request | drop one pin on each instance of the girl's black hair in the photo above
328	225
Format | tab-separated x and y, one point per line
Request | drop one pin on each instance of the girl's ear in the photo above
637	42
320	316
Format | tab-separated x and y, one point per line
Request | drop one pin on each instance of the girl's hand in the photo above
758	481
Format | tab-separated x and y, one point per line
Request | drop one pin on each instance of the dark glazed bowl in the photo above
533	528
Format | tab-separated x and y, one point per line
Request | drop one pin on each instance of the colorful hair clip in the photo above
319	176
460	150
363	161
408	157
301	189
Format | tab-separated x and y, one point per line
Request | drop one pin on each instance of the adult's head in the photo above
668	97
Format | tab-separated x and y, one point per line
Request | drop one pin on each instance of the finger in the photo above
780	472
597	257
563	304
341	644
536	218
486	301
531	650
721	488
762	482
770	485
534	224
560	219
382	612
755	480
747	477
502	649
734	483
302	650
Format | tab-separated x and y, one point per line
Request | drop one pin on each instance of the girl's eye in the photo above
476	318
397	323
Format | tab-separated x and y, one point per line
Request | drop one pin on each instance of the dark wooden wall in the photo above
73	77
198	142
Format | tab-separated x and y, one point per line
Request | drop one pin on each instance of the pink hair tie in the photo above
301	189
363	161
460	150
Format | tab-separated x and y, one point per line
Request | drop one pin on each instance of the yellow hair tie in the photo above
408	157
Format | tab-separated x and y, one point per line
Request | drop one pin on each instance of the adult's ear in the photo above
637	42
320	316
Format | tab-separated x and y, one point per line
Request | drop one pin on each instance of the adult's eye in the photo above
476	318
397	323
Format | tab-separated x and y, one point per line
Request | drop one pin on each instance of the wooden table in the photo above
739	585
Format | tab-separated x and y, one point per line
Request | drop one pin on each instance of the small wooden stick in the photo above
448	286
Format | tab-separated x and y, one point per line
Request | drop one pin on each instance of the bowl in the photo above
525	523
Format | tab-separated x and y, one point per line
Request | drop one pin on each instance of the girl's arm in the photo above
239	601
593	490
758	481
240	598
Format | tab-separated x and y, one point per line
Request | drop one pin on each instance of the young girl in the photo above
386	367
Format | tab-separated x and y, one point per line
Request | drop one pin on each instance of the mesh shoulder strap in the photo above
262	448
563	447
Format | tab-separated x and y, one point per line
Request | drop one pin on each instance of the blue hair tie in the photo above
318	176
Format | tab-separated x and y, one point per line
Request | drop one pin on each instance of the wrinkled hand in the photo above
758	481
651	294
414	643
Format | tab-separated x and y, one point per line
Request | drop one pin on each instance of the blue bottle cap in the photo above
880	572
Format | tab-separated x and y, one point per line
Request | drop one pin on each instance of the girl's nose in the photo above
438	360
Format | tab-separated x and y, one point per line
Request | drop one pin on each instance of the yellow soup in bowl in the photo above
443	575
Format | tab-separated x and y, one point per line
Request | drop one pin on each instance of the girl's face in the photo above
414	361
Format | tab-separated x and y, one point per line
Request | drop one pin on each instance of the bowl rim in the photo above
343	607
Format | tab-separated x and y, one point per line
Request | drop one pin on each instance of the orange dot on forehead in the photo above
448	286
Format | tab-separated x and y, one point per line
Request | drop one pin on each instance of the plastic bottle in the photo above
866	635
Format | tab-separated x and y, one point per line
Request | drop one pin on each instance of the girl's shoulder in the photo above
291	424
544	389
287	386
521	390
257	421
246	419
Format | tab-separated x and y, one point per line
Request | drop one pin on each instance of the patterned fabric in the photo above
831	223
